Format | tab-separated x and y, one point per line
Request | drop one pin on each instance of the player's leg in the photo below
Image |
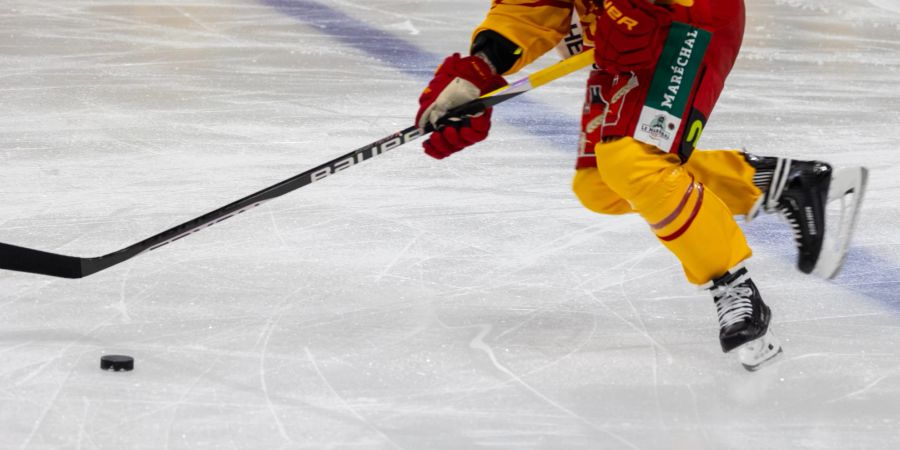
729	175
748	184
743	316
595	195
687	216
697	227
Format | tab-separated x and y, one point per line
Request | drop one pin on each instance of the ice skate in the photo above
820	204
759	353
743	319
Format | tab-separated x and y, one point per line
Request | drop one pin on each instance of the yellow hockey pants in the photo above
689	207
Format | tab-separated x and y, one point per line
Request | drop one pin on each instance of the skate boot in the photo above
801	192
743	319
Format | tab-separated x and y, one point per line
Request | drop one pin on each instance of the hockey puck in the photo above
116	363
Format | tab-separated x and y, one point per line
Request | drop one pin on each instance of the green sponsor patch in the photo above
670	89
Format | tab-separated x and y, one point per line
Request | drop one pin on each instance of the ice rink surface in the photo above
412	303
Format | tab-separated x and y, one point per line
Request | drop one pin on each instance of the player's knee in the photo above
595	195
617	161
634	169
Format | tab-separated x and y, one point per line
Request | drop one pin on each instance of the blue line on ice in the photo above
865	272
410	60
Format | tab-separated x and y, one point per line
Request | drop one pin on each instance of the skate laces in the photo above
776	179
787	214
779	181
771	201
733	301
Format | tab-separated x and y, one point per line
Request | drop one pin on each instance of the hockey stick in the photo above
35	261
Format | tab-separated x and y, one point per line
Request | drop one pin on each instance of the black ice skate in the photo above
743	319
801	192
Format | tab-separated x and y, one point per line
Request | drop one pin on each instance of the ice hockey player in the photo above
659	71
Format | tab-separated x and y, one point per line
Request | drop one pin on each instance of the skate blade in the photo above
760	353
845	195
765	363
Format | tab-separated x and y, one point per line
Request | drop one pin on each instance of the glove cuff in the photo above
474	70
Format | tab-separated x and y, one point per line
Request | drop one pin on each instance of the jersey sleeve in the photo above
536	26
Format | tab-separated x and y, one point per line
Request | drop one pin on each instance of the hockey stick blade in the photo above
29	260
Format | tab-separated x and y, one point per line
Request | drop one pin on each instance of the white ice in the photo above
407	302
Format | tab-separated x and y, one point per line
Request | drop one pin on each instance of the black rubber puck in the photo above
117	362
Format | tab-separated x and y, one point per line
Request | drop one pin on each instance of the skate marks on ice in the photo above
264	333
408	58
888	5
884	12
353	33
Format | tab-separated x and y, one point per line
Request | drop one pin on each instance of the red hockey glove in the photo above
457	81
630	34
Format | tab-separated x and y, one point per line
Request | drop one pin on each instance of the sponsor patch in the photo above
662	115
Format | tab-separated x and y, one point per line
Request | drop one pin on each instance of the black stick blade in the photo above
23	259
